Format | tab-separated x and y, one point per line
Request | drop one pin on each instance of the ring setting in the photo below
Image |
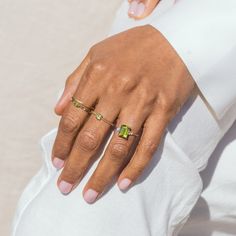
124	131
100	117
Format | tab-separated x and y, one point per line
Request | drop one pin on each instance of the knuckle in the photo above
98	66
68	125
95	69
126	83
137	167
72	173
167	104
88	141
146	97
118	152
149	147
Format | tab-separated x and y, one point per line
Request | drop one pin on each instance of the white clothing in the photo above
161	201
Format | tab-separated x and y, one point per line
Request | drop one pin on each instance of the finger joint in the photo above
88	141
118	152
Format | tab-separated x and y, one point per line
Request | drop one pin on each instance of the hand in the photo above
134	78
140	9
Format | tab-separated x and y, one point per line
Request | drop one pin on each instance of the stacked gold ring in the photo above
124	131
77	103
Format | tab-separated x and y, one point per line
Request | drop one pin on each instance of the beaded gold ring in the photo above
78	104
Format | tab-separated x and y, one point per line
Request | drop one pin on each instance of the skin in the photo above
135	78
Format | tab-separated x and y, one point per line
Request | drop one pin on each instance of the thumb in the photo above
71	86
139	9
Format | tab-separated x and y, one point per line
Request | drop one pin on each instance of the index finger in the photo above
72	120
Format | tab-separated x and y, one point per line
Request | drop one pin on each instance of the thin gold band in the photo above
78	104
124	131
100	117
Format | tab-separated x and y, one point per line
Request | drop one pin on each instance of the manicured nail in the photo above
124	183
58	163
132	7
140	9
65	187
90	195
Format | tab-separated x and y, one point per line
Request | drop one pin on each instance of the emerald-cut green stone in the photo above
124	131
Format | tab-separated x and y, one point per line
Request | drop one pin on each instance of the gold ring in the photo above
99	117
78	104
124	131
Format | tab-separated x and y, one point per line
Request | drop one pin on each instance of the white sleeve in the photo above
203	32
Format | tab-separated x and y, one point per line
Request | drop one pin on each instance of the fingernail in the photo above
140	9
65	187
124	183
136	9
58	163
90	195
132	7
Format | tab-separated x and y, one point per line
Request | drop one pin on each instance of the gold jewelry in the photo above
99	117
77	103
124	131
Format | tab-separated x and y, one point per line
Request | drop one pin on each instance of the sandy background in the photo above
41	42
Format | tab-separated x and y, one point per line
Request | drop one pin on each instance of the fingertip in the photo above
65	187
124	183
58	163
138	10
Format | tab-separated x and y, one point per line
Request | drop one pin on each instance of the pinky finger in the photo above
153	131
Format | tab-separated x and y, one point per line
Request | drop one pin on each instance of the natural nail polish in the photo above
140	9
65	187
132	7
124	183
58	163
90	195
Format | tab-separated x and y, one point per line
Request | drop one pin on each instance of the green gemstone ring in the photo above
124	131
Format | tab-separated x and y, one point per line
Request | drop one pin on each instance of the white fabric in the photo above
161	201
